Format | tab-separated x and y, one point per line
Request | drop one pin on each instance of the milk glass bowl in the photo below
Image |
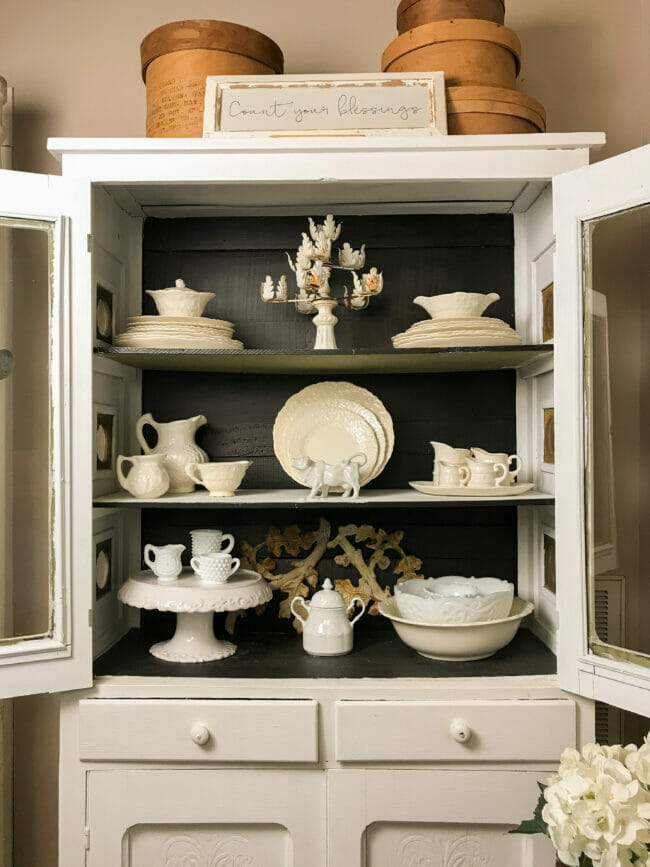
454	599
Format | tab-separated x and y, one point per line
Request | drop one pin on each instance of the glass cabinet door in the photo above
602	223
617	410
38	626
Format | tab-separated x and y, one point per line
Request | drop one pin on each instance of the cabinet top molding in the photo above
61	147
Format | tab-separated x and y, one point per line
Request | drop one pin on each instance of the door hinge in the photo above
89	243
90	617
86	838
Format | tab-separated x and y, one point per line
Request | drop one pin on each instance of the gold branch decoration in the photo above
379	542
303	573
351	540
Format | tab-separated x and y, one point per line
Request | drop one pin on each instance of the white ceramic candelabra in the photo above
313	268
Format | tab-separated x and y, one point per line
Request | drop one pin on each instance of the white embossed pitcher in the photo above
176	443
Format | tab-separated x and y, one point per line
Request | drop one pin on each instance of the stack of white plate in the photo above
471	331
332	422
178	332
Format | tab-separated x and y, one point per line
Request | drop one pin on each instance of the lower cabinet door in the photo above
206	818
431	818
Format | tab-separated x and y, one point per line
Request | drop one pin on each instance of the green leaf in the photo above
536	825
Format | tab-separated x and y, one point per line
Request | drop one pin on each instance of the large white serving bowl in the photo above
454	599
457	642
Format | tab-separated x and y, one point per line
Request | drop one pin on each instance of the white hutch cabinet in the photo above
344	762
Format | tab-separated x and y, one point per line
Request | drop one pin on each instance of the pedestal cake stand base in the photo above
193	641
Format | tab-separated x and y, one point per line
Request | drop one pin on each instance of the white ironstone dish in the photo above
221	478
184	321
454	599
433	490
180	341
339	419
457	642
456	305
179	300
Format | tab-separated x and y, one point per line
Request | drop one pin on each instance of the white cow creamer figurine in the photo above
320	476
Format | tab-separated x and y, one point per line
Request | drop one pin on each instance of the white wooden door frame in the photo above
608	187
62	660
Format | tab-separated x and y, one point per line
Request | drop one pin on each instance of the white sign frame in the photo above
329	90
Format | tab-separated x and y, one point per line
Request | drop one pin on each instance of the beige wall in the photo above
75	67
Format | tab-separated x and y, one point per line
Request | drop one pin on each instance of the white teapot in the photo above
327	630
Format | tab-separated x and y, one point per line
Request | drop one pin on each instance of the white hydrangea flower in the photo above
598	804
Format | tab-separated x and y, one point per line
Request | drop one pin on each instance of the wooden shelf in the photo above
443	360
296	498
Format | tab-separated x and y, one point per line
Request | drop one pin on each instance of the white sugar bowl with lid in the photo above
327	631
180	300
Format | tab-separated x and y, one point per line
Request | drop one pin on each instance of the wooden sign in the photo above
281	105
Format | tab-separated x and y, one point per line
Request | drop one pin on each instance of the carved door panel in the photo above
432	818
206	818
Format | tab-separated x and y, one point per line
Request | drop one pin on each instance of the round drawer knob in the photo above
200	734
460	731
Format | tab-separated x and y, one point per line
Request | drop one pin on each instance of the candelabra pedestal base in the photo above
325	320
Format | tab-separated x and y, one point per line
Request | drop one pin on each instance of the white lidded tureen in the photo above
327	631
180	300
454	599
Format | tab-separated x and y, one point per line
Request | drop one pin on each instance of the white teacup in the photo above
484	474
164	561
211	542
214	568
452	475
221	478
500	458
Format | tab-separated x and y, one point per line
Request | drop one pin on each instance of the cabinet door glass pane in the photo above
617	381
26	566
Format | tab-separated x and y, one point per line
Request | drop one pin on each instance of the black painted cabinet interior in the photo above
419	255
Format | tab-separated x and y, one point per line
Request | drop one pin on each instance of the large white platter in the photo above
504	491
332	421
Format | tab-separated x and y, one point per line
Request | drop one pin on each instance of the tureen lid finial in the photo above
180	283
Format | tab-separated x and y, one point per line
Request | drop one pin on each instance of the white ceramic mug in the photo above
211	542
214	568
164	561
484	474
500	458
453	475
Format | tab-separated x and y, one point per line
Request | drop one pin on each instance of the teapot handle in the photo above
363	608
139	426
295	613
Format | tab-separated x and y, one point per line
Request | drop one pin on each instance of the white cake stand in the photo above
194	603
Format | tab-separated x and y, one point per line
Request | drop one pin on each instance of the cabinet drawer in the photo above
437	731
198	731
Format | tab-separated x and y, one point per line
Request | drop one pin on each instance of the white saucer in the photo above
438	491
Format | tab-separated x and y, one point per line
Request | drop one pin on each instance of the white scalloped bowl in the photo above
457	642
454	599
456	305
